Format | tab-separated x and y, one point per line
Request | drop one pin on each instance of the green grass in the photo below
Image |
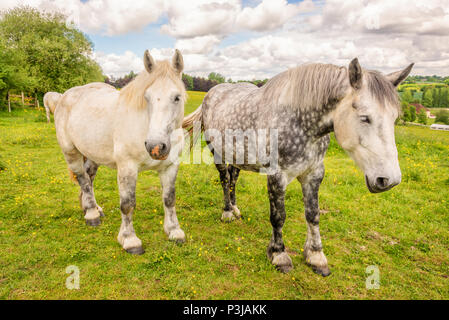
404	232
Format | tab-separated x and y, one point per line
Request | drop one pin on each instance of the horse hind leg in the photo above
91	169
234	175
75	162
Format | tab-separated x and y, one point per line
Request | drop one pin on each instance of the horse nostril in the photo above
382	182
163	147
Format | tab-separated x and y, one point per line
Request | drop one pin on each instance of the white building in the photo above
437	126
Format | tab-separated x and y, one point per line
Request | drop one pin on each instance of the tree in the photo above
13	76
427	100
407	96
188	81
422	117
214	76
55	55
405	111
442	116
412	113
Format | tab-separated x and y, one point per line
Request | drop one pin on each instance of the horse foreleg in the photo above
171	224
313	249
276	250
91	169
127	178
234	175
225	180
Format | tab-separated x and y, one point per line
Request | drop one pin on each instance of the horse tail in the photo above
195	116
189	124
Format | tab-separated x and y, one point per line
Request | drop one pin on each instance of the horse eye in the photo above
365	119
177	98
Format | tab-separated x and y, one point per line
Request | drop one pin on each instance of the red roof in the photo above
419	107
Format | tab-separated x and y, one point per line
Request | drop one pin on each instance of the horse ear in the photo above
355	74
397	77
148	61
178	61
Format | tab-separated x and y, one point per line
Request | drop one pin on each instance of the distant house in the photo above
437	126
420	107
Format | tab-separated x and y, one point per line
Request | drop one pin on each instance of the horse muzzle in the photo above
380	184
158	150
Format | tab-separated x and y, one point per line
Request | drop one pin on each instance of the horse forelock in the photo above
382	89
133	94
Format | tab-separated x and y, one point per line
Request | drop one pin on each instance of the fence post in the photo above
9	102
23	100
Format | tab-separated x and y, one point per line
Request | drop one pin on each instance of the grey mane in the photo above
313	86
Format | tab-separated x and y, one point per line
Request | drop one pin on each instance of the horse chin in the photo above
165	157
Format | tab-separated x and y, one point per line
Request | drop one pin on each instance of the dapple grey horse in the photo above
302	106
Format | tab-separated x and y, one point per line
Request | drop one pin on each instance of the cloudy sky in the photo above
254	39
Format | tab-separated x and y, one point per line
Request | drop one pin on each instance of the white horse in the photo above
50	101
131	130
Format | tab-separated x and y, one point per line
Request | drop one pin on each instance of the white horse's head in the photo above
364	124
165	98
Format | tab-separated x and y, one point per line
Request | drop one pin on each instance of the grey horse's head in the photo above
364	124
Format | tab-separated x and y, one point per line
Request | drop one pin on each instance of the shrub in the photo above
422	117
442	116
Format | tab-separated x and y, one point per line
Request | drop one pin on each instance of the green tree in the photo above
405	107
442	116
188	81
216	77
422	117
56	56
407	96
13	76
412	113
427	99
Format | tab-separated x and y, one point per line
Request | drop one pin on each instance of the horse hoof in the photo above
282	262
227	216
136	250
177	235
93	222
323	271
236	211
100	209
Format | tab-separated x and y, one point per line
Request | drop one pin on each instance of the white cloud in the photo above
203	44
271	14
386	35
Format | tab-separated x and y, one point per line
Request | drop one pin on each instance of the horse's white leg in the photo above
47	112
89	205
91	169
171	224
277	184
127	178
313	249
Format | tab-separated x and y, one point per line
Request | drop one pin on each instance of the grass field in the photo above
404	232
